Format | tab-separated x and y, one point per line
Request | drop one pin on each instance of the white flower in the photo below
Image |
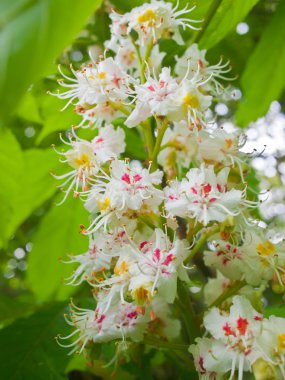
236	261
237	331
85	165
126	55
122	321
158	19
220	146
109	143
102	248
157	270
215	287
102	112
146	270
203	196
181	146
127	188
196	59
163	321
272	342
96	83
155	97
206	351
190	103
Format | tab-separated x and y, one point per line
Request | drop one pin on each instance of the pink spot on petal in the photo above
242	324
126	178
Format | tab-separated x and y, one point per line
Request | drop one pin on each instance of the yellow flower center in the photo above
191	101
266	248
104	204
141	295
123	268
102	75
83	160
281	342
229	143
148	16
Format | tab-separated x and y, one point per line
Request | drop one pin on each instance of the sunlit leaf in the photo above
32	34
11	167
263	79
227	16
57	236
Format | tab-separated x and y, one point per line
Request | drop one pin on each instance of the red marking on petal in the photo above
242	324
137	177
168	259
126	178
132	315
228	330
151	88
157	253
207	188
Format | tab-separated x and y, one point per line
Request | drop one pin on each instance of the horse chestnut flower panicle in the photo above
150	217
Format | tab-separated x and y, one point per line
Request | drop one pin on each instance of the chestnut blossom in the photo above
176	143
182	199
99	83
194	59
103	246
158	19
126	190
155	97
272	342
203	196
237	331
86	157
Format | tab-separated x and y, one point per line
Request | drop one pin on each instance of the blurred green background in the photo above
35	233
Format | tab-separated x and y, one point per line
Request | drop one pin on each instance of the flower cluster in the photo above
240	338
148	219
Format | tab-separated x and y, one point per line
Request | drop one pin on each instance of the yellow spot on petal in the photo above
83	160
191	101
229	143
265	249
122	269
141	295
102	75
104	204
281	342
148	16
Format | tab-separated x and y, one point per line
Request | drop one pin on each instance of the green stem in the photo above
228	293
161	128
148	137
144	61
188	313
151	341
211	231
210	14
119	107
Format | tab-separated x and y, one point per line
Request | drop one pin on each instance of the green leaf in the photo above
57	236
35	184
263	79
55	120
12	308
32	34
30	351
11	167
278	311
227	16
